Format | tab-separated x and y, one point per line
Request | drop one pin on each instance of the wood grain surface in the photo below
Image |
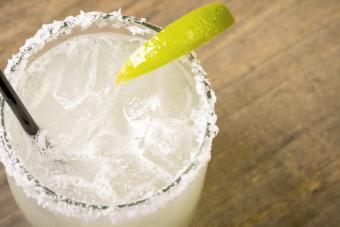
276	160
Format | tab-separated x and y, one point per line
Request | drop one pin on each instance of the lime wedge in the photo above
177	39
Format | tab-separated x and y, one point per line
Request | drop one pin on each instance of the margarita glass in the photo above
164	190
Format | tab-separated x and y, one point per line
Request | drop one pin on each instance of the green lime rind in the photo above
177	39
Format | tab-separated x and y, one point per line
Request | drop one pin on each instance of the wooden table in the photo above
276	160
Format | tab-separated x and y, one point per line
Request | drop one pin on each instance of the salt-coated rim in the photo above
22	176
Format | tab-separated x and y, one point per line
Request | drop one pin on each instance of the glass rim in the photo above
210	133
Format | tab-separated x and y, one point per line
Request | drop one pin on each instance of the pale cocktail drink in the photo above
106	155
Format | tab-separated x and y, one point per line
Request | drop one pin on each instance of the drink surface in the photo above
107	144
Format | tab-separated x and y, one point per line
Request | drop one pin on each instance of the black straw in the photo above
17	106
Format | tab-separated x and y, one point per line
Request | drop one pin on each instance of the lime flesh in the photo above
177	39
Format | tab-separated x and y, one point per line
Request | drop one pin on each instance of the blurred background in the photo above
276	73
